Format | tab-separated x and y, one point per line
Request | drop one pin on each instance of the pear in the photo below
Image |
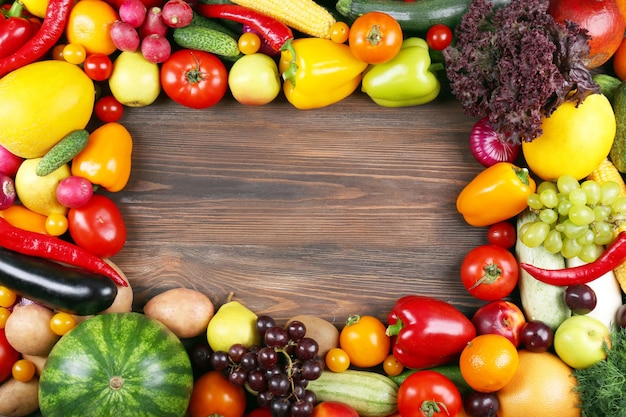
134	81
232	324
38	193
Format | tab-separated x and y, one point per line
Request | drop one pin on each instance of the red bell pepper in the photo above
427	332
16	29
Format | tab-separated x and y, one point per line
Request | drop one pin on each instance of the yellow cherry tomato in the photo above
339	32
74	53
249	43
23	370
7	297
62	323
4	315
392	366
56	224
365	340
337	360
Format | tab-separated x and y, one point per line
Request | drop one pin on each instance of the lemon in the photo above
575	140
39	193
41	103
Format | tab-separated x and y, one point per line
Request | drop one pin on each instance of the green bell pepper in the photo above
407	80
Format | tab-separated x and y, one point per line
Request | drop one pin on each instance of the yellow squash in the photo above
41	103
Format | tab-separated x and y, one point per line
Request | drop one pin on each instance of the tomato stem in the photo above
374	36
353	319
492	273
430	408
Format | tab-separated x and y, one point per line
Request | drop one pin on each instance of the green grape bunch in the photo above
574	218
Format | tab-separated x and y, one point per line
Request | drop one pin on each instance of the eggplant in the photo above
54	285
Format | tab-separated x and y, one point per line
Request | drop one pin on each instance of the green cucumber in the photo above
208	40
369	393
617	154
451	371
414	17
201	21
608	85
63	152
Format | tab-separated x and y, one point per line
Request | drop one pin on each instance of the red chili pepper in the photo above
275	32
611	258
53	248
52	28
16	29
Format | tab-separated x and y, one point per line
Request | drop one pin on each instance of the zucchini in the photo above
451	371
369	393
540	301
56	286
617	155
414	17
208	40
63	152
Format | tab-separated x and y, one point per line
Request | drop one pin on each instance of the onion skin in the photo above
488	148
7	191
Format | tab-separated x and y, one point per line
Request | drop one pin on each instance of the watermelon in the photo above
117	364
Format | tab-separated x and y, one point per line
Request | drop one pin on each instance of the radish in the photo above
124	36
133	12
177	13
154	23
7	191
74	191
155	48
9	163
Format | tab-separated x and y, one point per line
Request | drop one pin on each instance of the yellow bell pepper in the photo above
318	72
106	160
498	193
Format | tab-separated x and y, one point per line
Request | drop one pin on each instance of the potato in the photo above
28	330
324	332
39	361
123	302
184	311
19	399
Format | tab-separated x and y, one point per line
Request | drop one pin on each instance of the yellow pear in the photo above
38	193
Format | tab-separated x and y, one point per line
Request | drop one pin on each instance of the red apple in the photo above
500	317
602	19
334	409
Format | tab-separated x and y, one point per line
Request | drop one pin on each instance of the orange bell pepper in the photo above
498	193
106	160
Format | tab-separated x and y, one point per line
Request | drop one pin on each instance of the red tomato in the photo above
260	412
439	37
98	226
8	356
375	37
213	395
194	79
502	234
108	109
98	67
428	393
489	272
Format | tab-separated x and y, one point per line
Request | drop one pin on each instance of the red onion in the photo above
9	163
487	146
7	191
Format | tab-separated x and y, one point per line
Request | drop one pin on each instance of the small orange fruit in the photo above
543	386
619	61
488	362
88	25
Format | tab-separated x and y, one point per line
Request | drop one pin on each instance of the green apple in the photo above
254	79
134	81
580	341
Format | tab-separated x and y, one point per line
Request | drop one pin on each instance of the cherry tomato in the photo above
98	67
339	32
260	412
23	370
194	79
8	356
337	360
502	234
249	43
56	224
108	109
365	340
4	316
62	323
213	394
375	37
439	37
392	366
489	272
74	53
57	52
428	393
7	297
98	226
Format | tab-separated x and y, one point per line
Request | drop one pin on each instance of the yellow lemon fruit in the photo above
575	140
41	103
39	193
89	24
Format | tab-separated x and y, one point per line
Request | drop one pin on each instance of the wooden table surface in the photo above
332	211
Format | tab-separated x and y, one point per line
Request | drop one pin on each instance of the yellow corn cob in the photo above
305	16
608	172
